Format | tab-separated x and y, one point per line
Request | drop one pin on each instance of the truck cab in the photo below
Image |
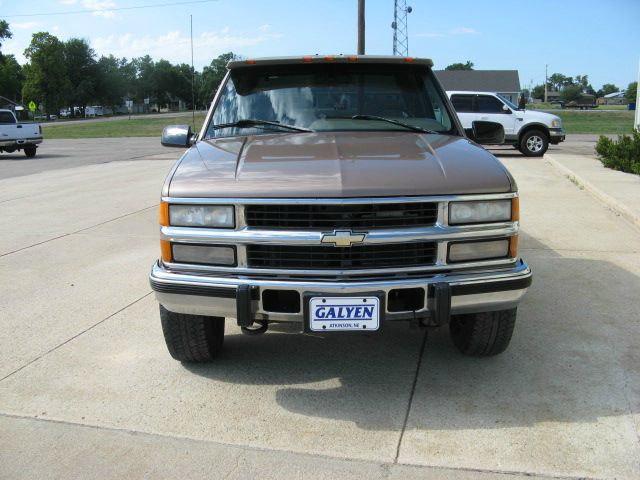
529	131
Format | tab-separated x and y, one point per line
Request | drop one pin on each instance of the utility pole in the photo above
545	82
360	27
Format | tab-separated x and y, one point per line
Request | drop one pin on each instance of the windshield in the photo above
324	98
511	105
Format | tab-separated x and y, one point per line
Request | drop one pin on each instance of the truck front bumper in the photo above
242	297
556	135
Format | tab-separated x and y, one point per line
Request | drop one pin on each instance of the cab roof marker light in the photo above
329	58
307	59
409	59
352	58
251	62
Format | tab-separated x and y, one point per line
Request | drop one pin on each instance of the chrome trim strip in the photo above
337	201
160	274
307	237
242	268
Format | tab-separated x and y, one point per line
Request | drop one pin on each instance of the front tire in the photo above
192	338
30	151
483	334
534	143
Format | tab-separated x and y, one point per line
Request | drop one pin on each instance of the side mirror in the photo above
486	133
177	136
506	109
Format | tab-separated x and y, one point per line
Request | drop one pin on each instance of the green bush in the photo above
622	154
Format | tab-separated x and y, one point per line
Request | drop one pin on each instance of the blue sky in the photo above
600	39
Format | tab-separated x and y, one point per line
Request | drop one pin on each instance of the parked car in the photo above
18	136
341	194
530	131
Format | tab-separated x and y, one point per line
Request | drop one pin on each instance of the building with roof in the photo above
615	98
503	82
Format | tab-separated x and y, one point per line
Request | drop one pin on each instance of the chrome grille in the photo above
398	255
354	216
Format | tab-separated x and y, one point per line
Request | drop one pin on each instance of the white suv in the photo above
529	131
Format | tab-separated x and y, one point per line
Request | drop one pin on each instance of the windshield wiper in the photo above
394	122
252	122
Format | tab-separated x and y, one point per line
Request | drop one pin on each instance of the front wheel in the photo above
534	143
483	334
192	338
30	151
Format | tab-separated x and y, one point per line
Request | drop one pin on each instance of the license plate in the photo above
344	313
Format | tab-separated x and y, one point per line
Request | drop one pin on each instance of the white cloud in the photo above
25	25
175	47
68	2
264	28
100	8
464	31
429	35
453	31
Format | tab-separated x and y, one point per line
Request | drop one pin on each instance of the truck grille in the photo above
324	257
354	216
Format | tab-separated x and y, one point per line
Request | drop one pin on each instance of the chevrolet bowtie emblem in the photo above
343	238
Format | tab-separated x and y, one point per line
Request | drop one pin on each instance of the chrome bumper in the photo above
241	297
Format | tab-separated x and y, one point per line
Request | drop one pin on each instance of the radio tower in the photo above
400	28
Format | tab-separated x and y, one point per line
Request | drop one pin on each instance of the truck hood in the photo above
531	116
335	165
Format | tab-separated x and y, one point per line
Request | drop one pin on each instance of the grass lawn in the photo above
121	127
574	121
602	123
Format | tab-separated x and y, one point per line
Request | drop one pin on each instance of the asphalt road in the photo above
63	154
88	389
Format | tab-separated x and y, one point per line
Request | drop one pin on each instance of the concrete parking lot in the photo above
87	388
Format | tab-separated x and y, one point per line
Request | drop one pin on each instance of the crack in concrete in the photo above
73	337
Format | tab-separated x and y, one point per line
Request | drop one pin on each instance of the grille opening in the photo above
405	299
365	216
281	301
390	255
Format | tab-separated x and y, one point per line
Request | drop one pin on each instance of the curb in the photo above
615	205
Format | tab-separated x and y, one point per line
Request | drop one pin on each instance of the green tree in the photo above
82	71
211	78
11	78
460	66
631	94
537	92
46	77
558	81
4	33
608	88
111	88
571	93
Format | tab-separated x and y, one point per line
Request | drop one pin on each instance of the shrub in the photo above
622	154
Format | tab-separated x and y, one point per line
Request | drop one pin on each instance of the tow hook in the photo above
264	326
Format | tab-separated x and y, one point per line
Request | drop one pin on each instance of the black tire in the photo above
483	334
30	151
192	338
534	143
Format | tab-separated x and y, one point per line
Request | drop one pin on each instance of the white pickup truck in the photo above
18	136
529	131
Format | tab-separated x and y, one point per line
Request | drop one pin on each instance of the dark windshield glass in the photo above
325	97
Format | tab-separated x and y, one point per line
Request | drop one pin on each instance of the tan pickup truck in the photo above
340	193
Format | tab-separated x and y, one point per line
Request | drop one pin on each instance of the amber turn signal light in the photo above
513	247
515	209
164	214
165	249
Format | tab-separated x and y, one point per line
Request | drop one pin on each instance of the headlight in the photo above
556	123
204	254
217	216
479	212
484	250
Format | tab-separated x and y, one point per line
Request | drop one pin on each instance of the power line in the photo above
114	9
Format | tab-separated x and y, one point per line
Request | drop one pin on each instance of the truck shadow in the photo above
21	157
571	359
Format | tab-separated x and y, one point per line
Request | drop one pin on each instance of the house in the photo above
615	98
503	82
